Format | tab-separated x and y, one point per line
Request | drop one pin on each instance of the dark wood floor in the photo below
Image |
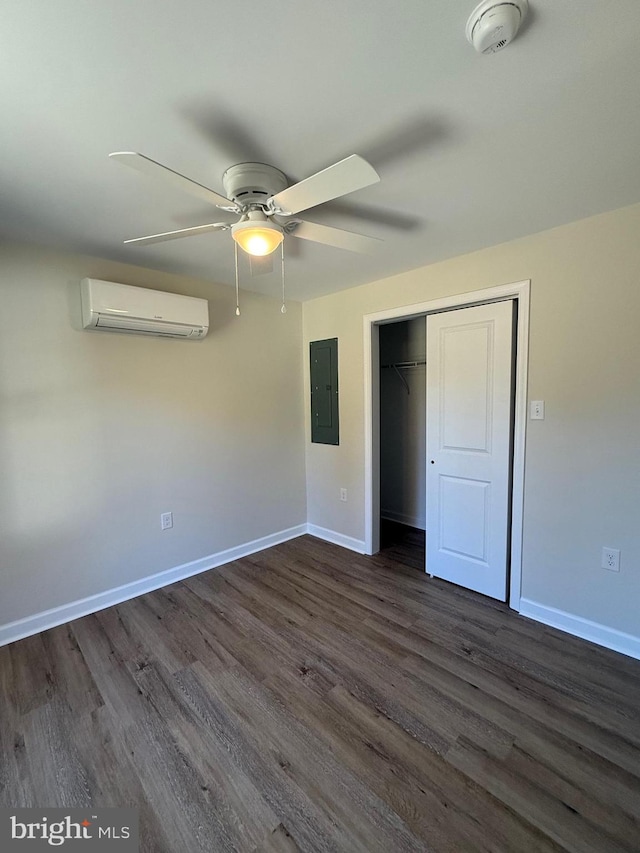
402	543
311	699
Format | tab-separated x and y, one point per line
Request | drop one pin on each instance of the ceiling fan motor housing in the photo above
253	183
493	24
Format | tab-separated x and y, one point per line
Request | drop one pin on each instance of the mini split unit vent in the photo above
111	307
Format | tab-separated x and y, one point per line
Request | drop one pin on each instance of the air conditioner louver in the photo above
135	324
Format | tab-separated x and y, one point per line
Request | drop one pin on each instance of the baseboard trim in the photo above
610	638
336	538
401	518
30	625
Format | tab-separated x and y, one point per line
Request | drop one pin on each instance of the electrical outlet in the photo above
611	559
166	520
343	494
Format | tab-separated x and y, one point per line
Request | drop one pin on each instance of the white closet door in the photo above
469	412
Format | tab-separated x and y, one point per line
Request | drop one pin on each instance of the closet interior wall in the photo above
403	422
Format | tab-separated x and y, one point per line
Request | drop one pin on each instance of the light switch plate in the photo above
537	410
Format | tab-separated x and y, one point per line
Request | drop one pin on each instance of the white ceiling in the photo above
471	150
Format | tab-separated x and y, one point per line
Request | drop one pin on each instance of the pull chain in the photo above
237	285
283	310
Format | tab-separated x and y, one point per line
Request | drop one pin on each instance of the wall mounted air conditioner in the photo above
111	307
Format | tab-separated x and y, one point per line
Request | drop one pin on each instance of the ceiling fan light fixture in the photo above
256	235
257	192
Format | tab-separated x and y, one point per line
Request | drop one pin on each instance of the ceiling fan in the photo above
265	203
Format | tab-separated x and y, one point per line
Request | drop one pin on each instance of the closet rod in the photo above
403	365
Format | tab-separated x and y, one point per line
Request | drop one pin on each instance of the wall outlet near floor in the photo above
166	520
343	494
611	559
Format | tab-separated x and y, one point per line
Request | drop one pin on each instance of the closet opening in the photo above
402	383
395	517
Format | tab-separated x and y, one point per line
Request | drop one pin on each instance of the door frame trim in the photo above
518	291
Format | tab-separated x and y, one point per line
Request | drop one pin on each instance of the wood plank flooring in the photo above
310	699
402	543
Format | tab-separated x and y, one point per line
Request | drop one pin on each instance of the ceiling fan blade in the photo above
183	232
157	170
352	173
335	237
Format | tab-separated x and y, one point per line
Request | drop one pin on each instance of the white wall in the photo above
582	472
100	433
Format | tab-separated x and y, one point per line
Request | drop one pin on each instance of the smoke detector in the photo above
493	24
